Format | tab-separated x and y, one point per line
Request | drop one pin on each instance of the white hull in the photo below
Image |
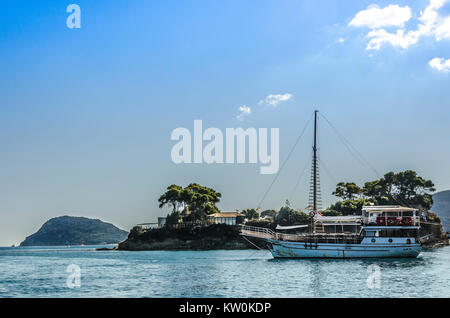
283	249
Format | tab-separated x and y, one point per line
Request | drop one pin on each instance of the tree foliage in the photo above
172	196
347	207
271	213
199	200
403	188
347	191
250	214
288	216
173	218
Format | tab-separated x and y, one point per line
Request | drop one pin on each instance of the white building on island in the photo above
229	218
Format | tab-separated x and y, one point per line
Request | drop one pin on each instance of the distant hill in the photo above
70	230
441	207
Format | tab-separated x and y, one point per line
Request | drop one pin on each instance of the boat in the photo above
380	231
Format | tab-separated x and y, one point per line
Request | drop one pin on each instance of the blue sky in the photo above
86	114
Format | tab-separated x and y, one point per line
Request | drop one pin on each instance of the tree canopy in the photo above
289	216
250	214
347	191
173	197
402	188
196	200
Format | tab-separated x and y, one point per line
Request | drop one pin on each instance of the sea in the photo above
82	271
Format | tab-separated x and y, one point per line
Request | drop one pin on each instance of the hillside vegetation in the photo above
69	230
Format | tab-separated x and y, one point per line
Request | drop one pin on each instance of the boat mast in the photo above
314	194
315	164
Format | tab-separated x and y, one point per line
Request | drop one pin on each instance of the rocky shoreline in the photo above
212	237
207	243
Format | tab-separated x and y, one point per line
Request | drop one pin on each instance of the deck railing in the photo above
265	233
392	221
258	232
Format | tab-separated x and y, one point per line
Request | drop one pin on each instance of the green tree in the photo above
329	212
349	207
271	213
172	196
287	216
198	200
404	188
173	218
413	190
250	214
201	201
347	191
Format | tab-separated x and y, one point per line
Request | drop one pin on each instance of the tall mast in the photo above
315	164
314	190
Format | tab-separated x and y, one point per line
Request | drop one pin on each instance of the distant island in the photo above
70	230
441	206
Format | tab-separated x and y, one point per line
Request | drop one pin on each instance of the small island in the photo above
195	222
71	230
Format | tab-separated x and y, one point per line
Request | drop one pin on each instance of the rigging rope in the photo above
360	159
330	175
259	248
284	162
350	147
299	178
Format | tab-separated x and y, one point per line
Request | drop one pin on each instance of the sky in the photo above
86	114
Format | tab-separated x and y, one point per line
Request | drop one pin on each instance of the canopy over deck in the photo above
290	227
340	220
387	208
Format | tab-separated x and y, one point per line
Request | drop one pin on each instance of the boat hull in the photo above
283	249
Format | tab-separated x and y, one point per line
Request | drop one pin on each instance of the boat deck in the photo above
264	233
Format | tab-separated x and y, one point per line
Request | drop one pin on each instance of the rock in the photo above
69	230
212	237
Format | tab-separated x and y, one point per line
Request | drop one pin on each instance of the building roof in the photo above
350	219
226	215
387	208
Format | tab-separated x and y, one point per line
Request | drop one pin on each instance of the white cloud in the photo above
340	40
275	99
430	24
243	111
375	17
440	64
443	30
399	39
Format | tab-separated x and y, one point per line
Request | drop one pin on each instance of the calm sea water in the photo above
41	272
